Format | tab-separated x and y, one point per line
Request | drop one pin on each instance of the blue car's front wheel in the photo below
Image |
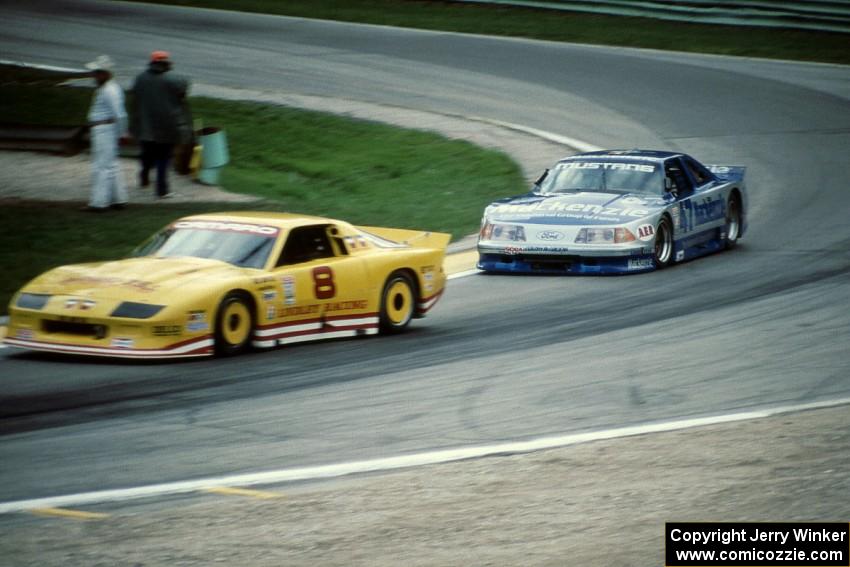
663	251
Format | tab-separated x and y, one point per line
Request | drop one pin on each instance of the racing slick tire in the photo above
398	303
234	325
732	228
663	247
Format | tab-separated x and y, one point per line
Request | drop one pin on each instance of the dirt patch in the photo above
47	177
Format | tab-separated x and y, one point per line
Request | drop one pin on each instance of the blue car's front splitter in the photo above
578	265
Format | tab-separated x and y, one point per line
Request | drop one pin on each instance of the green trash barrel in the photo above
214	154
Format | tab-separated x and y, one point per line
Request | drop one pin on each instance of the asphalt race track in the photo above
501	358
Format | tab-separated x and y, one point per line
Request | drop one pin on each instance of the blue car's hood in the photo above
574	208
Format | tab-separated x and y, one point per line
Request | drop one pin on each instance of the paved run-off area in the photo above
602	503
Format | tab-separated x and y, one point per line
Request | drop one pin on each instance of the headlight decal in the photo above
501	231
134	310
618	235
32	300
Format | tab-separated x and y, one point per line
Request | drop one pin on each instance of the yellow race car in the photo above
221	283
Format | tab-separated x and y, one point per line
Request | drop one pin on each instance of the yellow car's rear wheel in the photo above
234	325
398	302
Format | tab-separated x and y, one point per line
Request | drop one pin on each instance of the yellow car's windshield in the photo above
246	246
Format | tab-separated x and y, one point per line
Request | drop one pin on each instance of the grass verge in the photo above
559	26
300	161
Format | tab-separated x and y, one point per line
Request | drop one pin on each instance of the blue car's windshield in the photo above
244	245
618	177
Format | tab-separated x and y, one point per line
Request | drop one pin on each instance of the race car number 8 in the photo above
323	282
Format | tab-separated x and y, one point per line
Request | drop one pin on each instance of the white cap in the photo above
101	63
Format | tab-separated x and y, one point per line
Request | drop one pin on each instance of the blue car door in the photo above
700	206
708	201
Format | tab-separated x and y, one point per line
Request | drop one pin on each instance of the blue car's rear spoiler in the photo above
727	173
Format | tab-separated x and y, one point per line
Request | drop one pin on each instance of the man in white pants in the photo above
107	125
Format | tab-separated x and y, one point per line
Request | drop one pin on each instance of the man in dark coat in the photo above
159	118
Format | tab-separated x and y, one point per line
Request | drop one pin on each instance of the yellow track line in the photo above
460	262
72	514
228	491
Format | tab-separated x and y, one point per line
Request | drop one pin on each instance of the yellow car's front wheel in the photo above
398	302
234	325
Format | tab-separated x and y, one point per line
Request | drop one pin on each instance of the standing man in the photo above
159	119
107	124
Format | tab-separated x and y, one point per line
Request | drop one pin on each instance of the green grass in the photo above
559	26
364	172
299	161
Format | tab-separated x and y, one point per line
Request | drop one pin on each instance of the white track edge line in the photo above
550	136
457	275
398	462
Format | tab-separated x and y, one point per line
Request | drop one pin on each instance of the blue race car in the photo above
615	212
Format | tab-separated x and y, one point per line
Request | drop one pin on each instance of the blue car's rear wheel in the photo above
663	250
733	222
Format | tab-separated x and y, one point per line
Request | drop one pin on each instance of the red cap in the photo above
160	56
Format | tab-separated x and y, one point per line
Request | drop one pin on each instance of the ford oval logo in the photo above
550	235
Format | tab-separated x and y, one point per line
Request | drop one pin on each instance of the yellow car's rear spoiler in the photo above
415	238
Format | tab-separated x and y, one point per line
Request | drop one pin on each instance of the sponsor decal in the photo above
546	249
269	295
644	168
299	310
138	285
355	242
429	287
632	201
264	280
646	232
347	305
25	334
271	312
123	343
514	250
429	277
167	330
228	227
718	169
288	284
197	321
550	235
83	304
570	210
695	212
707	210
314	308
640	263
680	255
676	213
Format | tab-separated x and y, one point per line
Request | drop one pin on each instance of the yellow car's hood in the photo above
147	278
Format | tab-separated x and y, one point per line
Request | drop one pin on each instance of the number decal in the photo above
323	280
